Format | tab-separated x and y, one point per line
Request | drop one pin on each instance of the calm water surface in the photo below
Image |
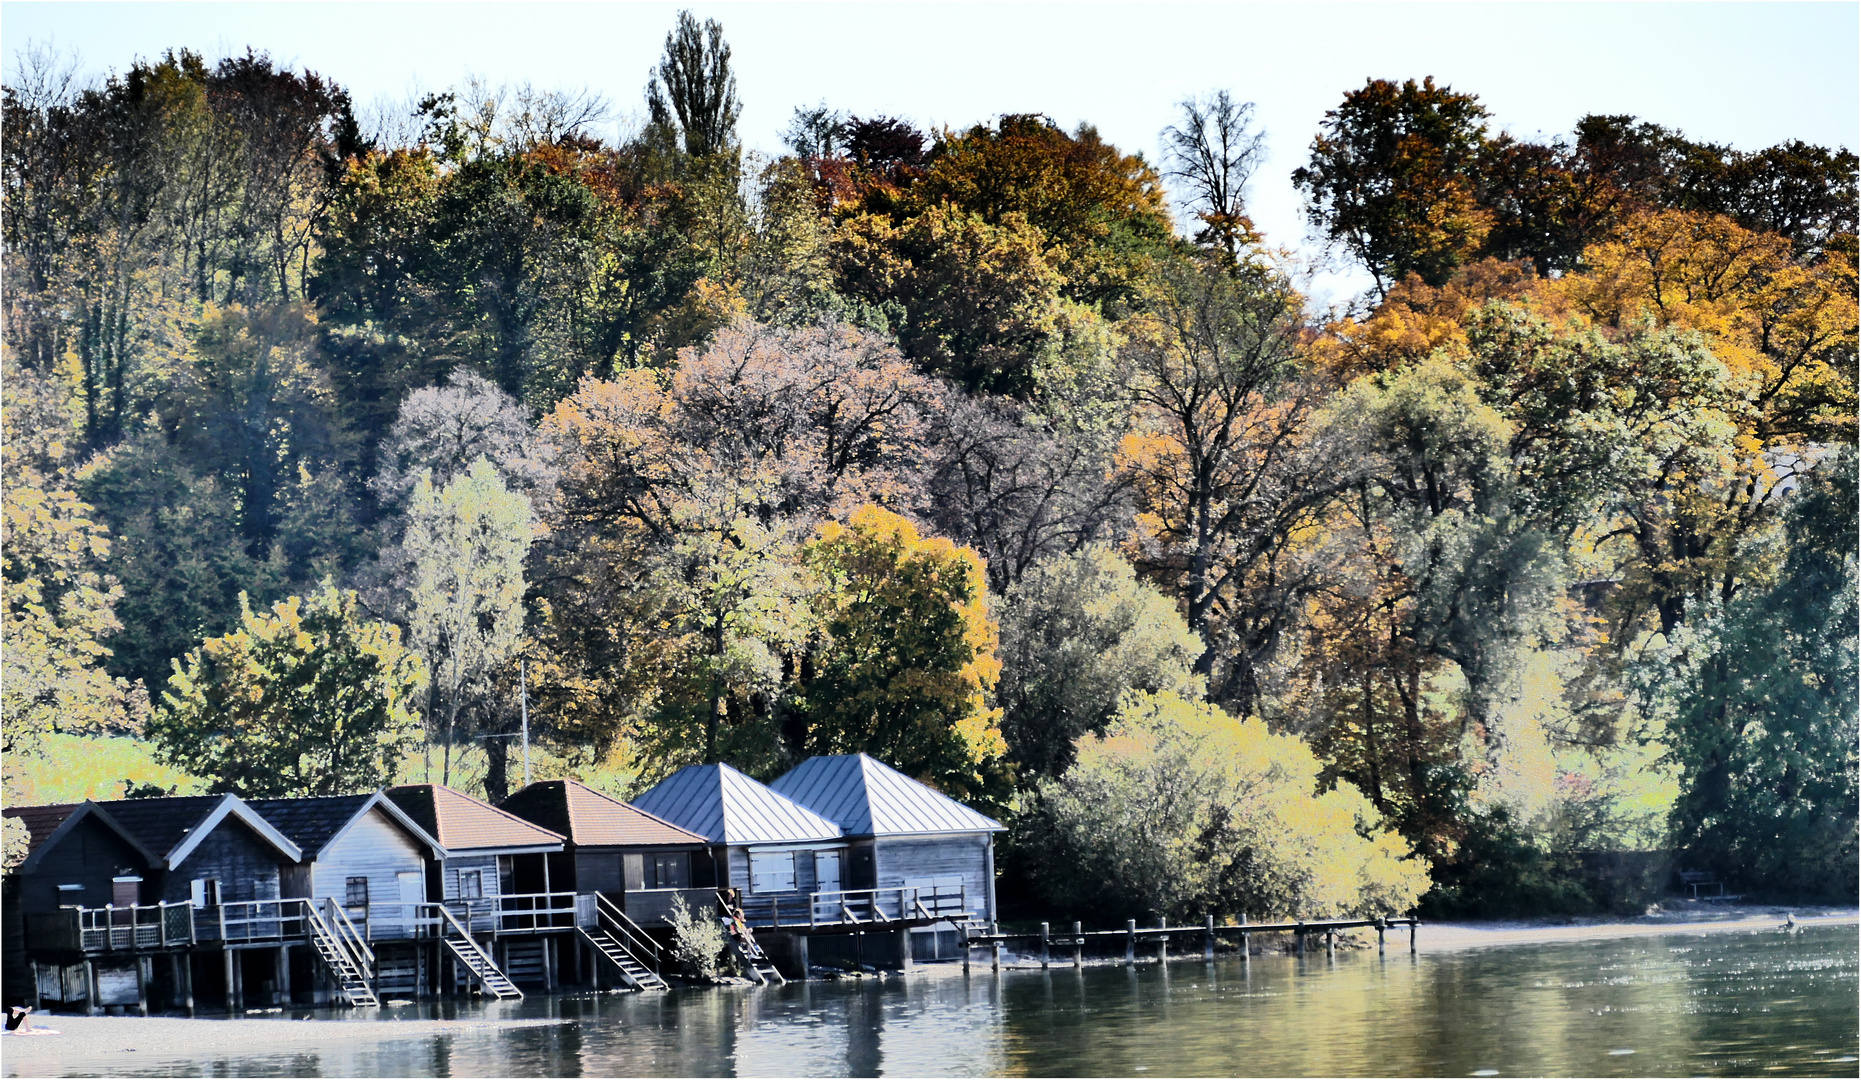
1721	1004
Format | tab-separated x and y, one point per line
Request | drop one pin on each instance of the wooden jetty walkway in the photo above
1161	935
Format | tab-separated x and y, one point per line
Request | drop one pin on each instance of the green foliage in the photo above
698	941
908	660
1393	179
465	546
310	698
1182	809
1762	703
1079	633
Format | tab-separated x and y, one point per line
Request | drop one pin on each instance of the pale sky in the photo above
1746	74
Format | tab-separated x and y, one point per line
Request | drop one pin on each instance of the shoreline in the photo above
100	1045
1686	918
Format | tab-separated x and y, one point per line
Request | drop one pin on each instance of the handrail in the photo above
356	940
470	941
637	939
316	919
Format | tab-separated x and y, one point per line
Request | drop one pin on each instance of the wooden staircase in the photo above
474	959
761	969
635	974
343	952
524	961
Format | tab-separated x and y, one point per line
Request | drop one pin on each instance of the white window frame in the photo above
477	892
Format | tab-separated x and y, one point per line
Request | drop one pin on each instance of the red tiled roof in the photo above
41	821
592	819
462	823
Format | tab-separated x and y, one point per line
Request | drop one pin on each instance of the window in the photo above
471	884
71	896
668	871
355	892
772	871
205	892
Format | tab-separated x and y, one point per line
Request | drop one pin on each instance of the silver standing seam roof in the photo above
726	807
867	797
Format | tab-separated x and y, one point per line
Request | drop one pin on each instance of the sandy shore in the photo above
104	1045
1683	918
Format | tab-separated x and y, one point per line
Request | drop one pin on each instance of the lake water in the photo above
1679	1005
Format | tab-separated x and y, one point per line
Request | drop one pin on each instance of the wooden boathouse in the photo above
902	834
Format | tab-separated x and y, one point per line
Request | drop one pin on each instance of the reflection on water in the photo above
1681	1005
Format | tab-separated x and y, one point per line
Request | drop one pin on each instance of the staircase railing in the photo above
346	932
449	918
636	940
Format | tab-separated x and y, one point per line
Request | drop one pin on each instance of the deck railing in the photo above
853	907
112	928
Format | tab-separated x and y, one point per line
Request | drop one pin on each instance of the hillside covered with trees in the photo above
1006	455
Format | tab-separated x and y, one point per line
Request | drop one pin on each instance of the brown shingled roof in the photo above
592	819
462	823
41	821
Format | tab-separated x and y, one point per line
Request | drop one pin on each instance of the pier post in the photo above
1411	935
1130	941
801	953
38	999
1247	939
184	964
1331	944
143	964
1046	943
284	975
1163	940
90	987
1381	924
904	950
232	979
995	957
1079	948
1300	935
1208	937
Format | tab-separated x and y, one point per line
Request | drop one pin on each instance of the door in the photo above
827	871
413	891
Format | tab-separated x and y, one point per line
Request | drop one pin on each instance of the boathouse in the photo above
902	834
106	887
362	854
774	852
638	861
493	874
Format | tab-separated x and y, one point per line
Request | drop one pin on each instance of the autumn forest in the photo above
342	449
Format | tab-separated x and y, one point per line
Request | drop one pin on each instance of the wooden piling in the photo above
284	975
1163	940
1247	942
995	957
1381	925
1411	936
1046	947
1331	945
143	963
185	964
91	1007
232	979
1208	937
1130	941
1300	934
1079	946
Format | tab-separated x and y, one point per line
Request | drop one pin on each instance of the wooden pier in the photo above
1161	936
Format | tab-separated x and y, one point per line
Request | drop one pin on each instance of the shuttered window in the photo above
772	871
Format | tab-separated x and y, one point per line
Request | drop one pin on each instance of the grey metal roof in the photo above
867	797
311	822
726	807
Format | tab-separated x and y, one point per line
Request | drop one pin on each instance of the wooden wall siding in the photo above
739	866
488	864
597	871
89	855
248	867
937	856
377	849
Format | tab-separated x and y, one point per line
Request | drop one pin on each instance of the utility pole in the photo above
523	698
